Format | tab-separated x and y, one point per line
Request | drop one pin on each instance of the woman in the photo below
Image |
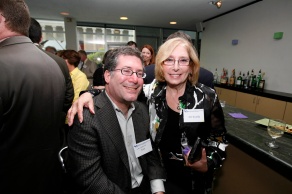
182	110
148	55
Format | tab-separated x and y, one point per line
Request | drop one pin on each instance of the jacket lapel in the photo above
111	126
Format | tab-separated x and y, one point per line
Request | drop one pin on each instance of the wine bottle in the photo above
259	78
215	76
239	80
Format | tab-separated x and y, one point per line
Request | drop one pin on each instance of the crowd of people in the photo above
145	114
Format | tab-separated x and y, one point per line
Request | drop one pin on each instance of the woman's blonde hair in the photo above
165	51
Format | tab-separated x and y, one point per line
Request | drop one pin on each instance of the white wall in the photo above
254	26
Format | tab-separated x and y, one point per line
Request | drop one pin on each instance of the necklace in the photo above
179	103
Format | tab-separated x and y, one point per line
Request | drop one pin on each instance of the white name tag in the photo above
194	115
142	148
84	66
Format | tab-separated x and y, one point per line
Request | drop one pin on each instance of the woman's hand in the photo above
200	165
85	100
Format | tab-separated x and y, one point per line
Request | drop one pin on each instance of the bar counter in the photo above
251	137
265	93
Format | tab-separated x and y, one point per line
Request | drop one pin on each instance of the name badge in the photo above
142	148
84	66
194	115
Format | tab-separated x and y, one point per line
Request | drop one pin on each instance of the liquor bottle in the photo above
247	80
251	78
259	78
215	76
226	76
239	80
232	78
243	80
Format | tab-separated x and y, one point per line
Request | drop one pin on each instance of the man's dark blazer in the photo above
150	73
32	92
69	92
206	77
98	159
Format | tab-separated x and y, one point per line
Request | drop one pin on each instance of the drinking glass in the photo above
276	129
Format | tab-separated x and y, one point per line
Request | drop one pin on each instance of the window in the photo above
53	33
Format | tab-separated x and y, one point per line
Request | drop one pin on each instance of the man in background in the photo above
31	100
35	34
51	49
88	67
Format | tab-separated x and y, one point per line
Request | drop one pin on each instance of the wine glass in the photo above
276	129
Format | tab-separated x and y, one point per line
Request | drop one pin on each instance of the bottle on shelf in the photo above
239	80
247	81
215	76
223	77
232	78
258	78
243	80
253	81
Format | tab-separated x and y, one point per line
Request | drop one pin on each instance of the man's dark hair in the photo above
82	52
16	14
130	43
35	31
111	60
181	35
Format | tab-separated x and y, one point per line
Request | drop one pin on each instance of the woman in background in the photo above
148	55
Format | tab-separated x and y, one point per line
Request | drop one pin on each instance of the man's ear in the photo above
107	76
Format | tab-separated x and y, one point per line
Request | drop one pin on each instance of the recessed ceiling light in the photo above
172	23
64	13
123	18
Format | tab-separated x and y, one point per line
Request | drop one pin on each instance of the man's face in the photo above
121	88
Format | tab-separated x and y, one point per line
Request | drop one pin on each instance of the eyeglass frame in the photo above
132	72
178	61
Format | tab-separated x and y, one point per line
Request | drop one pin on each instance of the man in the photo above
51	49
110	152
35	34
88	67
32	91
132	44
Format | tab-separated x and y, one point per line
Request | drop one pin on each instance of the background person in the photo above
102	158
148	55
88	67
132	44
32	91
51	49
98	76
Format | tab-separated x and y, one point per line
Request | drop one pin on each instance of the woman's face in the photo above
146	54
177	74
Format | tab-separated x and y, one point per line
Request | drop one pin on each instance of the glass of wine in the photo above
276	129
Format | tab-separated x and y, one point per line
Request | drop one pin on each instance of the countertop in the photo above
265	93
251	137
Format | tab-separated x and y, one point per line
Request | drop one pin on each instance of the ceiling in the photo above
150	13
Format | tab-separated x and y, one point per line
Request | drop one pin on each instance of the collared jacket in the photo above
212	131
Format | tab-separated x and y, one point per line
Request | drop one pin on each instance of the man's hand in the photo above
85	100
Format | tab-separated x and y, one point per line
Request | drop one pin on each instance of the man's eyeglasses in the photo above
129	72
181	62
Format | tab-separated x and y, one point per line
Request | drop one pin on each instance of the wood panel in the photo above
270	108
288	113
246	101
